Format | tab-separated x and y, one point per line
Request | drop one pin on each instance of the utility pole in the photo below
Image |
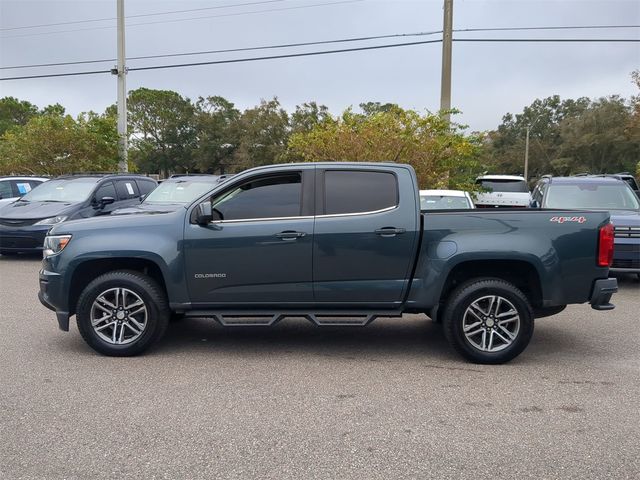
121	72
526	147
447	40
526	154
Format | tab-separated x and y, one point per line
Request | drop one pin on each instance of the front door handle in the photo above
389	231
289	235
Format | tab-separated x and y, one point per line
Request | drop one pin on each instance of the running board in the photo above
235	318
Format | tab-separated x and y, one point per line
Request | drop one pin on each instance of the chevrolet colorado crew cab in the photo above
335	243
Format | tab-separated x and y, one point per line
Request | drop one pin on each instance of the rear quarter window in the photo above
348	191
146	186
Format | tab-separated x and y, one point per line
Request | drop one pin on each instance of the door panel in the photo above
258	250
366	257
250	262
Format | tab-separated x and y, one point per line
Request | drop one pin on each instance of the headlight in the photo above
51	220
54	244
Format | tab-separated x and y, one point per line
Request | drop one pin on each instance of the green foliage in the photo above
261	134
215	121
566	137
14	112
162	130
307	116
441	154
56	144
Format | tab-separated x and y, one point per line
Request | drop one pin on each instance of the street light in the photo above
526	149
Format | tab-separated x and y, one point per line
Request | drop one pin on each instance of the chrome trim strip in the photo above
333	215
267	219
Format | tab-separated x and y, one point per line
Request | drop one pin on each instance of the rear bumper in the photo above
601	293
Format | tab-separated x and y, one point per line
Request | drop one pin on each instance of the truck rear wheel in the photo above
488	321
122	313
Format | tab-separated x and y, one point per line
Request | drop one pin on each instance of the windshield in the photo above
62	190
519	186
180	191
592	196
440	202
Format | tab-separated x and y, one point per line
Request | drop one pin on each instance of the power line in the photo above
73	22
324	52
235	14
553	40
235	60
301	44
558	27
229	50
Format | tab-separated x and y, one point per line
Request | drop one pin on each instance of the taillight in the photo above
605	246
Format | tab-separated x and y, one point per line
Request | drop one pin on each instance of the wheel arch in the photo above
88	270
520	273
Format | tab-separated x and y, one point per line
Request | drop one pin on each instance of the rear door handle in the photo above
389	231
290	235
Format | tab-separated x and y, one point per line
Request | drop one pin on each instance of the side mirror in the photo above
104	201
203	213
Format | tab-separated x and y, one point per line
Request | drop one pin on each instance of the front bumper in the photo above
601	293
23	239
626	256
52	296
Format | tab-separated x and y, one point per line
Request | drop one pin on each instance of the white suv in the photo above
12	188
503	191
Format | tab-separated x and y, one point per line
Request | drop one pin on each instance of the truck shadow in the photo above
383	338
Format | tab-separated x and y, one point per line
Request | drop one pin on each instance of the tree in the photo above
441	154
216	142
14	112
597	141
371	108
262	133
162	130
505	146
307	116
56	144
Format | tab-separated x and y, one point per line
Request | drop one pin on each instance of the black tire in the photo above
155	301
475	290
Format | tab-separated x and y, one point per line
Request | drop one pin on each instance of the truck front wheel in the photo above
122	313
488	321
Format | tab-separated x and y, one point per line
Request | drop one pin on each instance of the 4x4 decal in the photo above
568	219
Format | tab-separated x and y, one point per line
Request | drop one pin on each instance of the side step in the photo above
235	318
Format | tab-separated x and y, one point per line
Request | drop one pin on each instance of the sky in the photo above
489	79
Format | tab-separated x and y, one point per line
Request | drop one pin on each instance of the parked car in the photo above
335	243
445	200
598	192
12	188
173	194
24	223
503	191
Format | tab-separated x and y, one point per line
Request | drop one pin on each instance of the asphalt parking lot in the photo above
295	401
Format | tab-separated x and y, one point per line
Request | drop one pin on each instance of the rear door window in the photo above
127	189
22	187
348	191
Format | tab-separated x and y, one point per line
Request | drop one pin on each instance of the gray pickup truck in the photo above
335	243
